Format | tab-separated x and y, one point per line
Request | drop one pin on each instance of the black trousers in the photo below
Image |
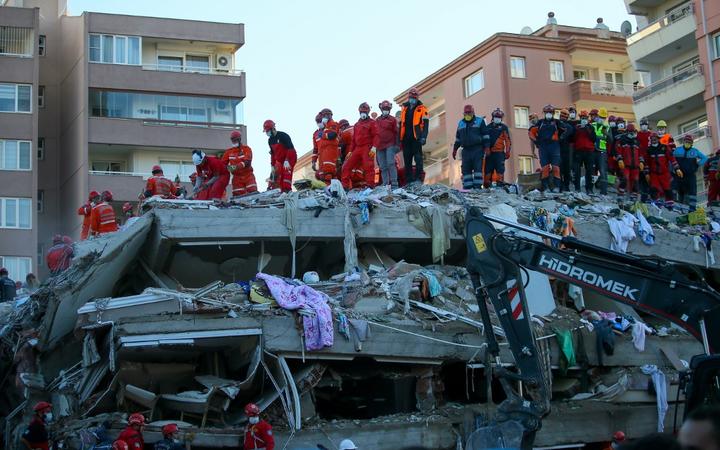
585	159
565	166
412	150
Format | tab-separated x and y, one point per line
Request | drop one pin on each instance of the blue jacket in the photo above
689	160
472	134
7	289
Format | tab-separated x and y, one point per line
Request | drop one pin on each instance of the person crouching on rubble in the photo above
36	434
170	439
132	434
258	433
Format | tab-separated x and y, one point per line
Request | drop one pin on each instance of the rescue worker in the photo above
601	146
665	137
630	161
413	134
328	148
689	160
102	218
282	157
644	143
583	150
36	435
659	158
59	256
711	170
344	144
566	156
532	120
170	439
613	135
386	144
130	217
547	134
573	118
238	159
212	175
473	138
202	195
8	291
316	136
132	434
258	433
120	445
157	184
362	149
85	211
498	149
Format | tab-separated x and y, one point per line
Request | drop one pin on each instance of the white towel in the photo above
622	232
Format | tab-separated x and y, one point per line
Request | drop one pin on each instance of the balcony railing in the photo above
610	88
180	123
697	134
191	69
663	22
16	41
120	174
677	77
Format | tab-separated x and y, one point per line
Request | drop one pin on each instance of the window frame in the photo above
524	67
41	96
3	211
694	123
42	45
3	143
115	37
5	263
522	159
17	98
121	164
40	201
179	163
527	116
551	62
41	148
716	45
467	79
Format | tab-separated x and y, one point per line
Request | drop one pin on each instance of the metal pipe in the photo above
703	332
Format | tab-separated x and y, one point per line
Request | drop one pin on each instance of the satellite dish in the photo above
626	28
526	30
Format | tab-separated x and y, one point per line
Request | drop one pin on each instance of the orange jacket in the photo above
159	185
240	157
420	115
85	211
346	138
102	219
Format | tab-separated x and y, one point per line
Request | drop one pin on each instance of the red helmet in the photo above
612	119
343	124
364	107
618	436
326	112
169	429
318	118
155	169
235	135
385	105
498	113
41	406
268	125
548	109
413	93
653	134
107	196
127	207
583	113
688	138
136	419
120	445
67	240
620	119
631	128
93	194
594	112
251	409
469	109
57	239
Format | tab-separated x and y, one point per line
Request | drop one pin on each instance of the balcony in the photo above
640	7
671	96
601	91
702	137
669	35
17	41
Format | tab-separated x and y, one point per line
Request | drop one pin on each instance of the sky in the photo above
300	57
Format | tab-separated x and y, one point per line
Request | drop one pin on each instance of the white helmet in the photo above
347	444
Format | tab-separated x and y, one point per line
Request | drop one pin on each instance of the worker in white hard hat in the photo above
347	444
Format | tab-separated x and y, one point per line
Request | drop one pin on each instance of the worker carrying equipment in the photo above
85	211
472	137
102	217
362	149
282	157
36	434
157	184
132	434
238	159
212	175
258	433
499	147
414	127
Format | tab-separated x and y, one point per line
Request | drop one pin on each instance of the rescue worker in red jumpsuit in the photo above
102	218
659	158
711	170
546	135
212	175
282	157
60	255
202	195
644	143
36	435
498	151
132	434
362	150
630	159
157	184
238	159
120	445
316	136
85	211
386	143
328	148
258	433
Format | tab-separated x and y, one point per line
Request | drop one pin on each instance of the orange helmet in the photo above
268	125
136	419
251	409
583	113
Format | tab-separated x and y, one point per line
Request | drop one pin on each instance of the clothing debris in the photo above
658	378
638	333
645	231
622	232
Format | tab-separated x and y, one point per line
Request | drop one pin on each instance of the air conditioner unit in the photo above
223	62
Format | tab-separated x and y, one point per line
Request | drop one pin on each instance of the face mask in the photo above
413	101
385	112
497	120
236	144
324	120
48	417
654	144
599	120
644	127
686	145
612	124
661	130
633	135
583	121
548	116
363	116
254	420
269	133
621	126
572	115
468	117
320	125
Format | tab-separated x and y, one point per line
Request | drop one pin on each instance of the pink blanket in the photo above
318	329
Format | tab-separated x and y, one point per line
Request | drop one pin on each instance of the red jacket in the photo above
583	139
259	436
282	149
36	434
364	132
159	185
59	257
102	219
658	159
387	132
317	135
133	438
211	167
628	151
643	138
85	211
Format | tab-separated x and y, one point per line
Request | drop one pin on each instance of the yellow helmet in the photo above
661	123
602	112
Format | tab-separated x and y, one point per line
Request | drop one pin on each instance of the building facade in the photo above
112	95
675	50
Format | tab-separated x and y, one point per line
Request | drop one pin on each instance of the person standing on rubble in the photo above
659	161
132	434
328	148
630	162
473	138
212	175
547	134
316	136
689	159
583	148
60	255
85	211
498	150
170	439
238	159
711	171
414	124
157	184
102	218
282	157
566	155
36	436
643	137
601	146
258	433
386	144
362	151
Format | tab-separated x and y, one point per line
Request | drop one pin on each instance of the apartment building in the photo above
520	73
113	96
675	49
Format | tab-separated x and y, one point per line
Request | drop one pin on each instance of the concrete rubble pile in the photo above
186	316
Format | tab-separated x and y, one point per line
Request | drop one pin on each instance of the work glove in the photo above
314	167
621	164
679	173
641	166
507	154
422	141
286	165
373	152
454	153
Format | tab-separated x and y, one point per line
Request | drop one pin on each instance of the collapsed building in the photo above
197	308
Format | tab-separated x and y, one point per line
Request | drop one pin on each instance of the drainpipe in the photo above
710	71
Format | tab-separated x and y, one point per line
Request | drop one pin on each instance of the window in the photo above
111	49
18	267
41	201
41	148
41	96
197	63
686	64
580	74
108	166
716	41
15	97
614	78
557	71
17	41
474	83
170	63
698	127
16	213
15	155
525	165
41	45
517	67
183	169
521	115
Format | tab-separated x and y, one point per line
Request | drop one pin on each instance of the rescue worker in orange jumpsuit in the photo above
212	175
258	433
316	136
132	434
60	255
238	159
362	151
659	159
157	184
36	435
102	218
282	157
711	170
328	148
85	211
498	150
414	124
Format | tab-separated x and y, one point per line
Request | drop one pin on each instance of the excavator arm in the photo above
674	291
